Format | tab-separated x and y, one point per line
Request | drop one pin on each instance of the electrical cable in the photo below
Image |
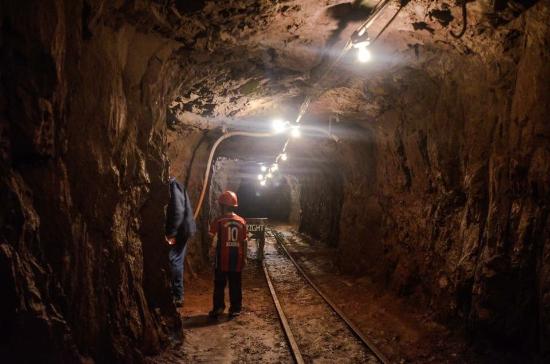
403	3
307	101
365	25
464	20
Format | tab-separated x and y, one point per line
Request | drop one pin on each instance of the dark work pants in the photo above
176	255
235	291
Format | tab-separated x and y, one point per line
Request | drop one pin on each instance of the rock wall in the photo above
442	190
446	195
82	126
295	209
187	152
225	176
321	193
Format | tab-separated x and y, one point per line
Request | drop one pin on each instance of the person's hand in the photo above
171	240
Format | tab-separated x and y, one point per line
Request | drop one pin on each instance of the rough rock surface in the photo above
446	193
82	130
439	184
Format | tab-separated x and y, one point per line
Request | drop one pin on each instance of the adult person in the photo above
180	226
228	249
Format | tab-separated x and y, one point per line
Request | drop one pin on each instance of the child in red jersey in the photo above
228	250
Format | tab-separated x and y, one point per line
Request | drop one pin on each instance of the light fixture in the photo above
279	125
295	132
361	42
260	177
263	168
363	55
274	168
269	175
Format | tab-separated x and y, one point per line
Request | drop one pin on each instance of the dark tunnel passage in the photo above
278	200
272	202
399	149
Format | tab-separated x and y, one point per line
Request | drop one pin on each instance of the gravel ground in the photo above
321	335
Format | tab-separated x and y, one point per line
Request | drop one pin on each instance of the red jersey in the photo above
231	231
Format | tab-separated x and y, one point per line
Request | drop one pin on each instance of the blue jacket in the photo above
179	215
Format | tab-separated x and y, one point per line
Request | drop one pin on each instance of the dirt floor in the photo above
405	334
254	337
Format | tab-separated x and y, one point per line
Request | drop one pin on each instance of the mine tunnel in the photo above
275	181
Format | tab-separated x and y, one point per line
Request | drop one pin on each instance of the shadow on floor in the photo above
203	321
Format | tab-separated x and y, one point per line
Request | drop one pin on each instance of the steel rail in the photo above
282	317
355	330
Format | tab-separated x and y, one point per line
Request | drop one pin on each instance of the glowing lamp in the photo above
284	156
361	41
363	54
295	132
279	125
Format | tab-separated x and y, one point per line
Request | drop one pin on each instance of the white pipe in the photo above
240	133
211	157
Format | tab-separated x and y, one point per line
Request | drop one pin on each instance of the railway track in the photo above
316	329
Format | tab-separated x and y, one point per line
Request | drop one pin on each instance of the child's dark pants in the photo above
235	292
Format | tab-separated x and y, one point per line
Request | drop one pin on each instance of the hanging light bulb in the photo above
363	54
295	132
260	177
263	168
284	156
274	168
262	182
360	40
279	125
269	175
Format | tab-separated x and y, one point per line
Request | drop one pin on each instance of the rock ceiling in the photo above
245	61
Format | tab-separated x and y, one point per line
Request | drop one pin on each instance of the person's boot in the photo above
215	313
234	313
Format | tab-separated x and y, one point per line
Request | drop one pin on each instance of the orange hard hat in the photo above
228	198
